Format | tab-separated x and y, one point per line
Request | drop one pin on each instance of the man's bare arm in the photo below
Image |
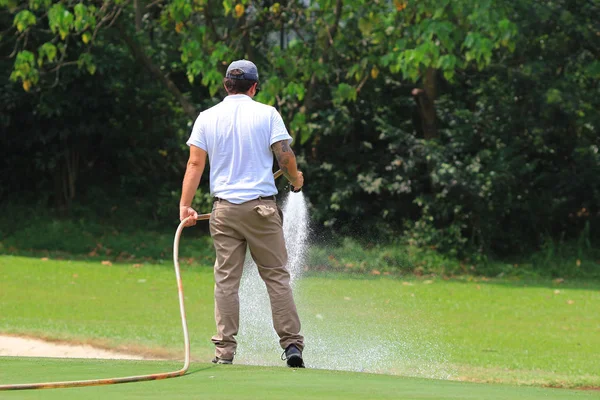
193	173
286	159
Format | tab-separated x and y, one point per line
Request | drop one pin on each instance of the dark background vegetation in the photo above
486	150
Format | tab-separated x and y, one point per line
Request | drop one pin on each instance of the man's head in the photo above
241	78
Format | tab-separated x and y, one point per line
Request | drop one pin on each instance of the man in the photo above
240	136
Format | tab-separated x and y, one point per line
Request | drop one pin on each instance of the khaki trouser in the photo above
259	225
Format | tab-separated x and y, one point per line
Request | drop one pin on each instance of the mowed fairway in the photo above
206	381
531	333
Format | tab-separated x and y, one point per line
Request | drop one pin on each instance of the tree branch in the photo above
425	99
142	58
211	25
154	3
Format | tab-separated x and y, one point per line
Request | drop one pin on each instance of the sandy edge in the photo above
30	347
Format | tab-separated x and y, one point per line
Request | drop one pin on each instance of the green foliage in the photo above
23	20
467	127
570	260
344	92
350	256
86	61
114	238
60	20
496	181
448	36
25	69
48	51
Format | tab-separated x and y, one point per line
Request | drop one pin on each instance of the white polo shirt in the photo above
237	134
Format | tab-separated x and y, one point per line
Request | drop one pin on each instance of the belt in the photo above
215	199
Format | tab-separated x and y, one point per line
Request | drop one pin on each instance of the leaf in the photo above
365	26
374	72
275	8
86	61
345	92
24	20
449	75
82	15
86	37
554	96
239	10
37	4
227	6
60	20
24	68
400	5
593	70
47	51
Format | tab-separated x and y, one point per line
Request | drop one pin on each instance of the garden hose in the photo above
138	378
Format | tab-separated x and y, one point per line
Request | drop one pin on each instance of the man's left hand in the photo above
187	211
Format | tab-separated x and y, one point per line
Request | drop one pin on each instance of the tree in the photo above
468	126
50	35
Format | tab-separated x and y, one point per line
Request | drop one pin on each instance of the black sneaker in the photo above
218	360
293	357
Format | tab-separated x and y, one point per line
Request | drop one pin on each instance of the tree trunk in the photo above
425	99
70	174
137	6
331	32
65	179
309	102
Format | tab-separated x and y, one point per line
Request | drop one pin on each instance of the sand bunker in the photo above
26	347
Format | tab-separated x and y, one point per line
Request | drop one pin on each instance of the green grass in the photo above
493	331
243	382
129	306
509	331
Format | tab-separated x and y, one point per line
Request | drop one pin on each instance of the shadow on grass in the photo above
574	284
187	264
516	282
200	369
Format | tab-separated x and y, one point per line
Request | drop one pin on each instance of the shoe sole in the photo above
295	362
221	361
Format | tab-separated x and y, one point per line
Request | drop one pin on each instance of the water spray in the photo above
362	350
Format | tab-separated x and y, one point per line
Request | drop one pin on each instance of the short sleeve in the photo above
198	138
278	129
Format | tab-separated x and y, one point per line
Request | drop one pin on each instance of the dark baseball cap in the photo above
247	67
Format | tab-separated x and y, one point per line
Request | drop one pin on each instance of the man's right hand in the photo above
186	211
298	182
